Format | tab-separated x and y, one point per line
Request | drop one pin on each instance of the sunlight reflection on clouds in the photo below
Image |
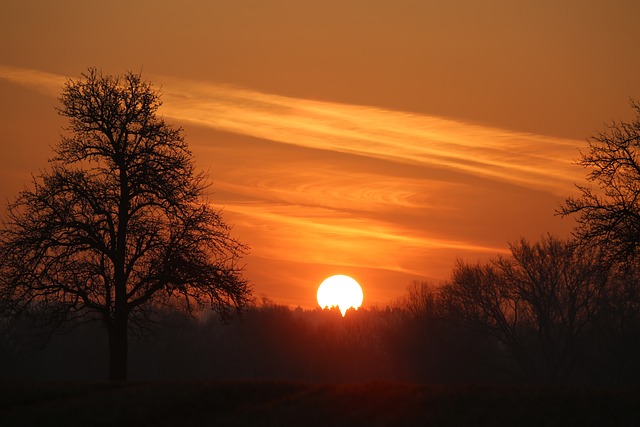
531	160
327	236
310	184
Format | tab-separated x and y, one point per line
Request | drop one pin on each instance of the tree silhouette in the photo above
539	303
609	216
563	287
120	224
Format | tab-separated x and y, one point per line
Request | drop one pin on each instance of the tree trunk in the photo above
118	345
118	350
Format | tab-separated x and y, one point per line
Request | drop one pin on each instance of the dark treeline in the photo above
549	313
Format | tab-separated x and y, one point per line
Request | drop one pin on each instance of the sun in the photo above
340	291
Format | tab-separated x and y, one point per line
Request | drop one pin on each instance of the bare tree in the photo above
609	216
479	296
563	287
120	223
538	303
420	300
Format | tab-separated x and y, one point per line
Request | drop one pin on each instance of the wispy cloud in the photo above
539	162
535	161
326	236
47	83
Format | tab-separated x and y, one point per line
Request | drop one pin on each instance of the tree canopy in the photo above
609	214
120	223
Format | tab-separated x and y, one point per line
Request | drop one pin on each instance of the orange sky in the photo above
373	138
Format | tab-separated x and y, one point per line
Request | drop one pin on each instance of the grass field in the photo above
282	403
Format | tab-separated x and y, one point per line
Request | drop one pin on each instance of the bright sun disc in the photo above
340	291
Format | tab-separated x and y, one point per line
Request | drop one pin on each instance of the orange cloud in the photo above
525	159
47	83
535	161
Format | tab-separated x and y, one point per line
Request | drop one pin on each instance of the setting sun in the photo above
340	291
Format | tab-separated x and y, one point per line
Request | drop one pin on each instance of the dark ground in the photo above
281	403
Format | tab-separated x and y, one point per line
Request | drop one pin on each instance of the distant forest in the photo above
568	327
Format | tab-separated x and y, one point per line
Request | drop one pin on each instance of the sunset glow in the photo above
394	187
340	291
331	212
386	140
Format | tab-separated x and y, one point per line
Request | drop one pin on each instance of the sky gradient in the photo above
377	139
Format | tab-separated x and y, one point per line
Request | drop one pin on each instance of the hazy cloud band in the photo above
539	162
